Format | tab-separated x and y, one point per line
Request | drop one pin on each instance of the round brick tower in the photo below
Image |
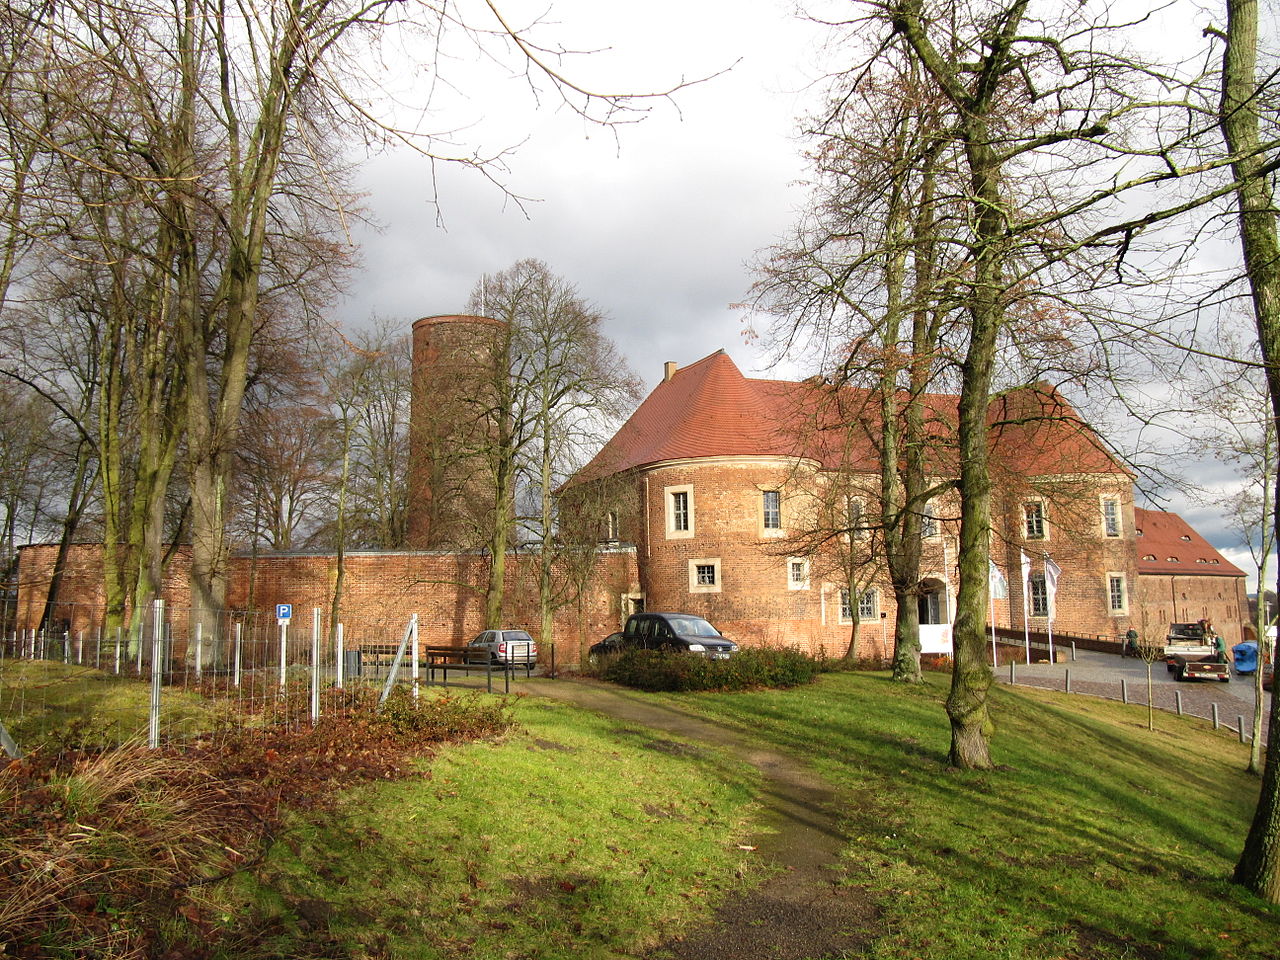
457	360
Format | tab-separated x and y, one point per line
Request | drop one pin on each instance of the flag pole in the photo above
1026	620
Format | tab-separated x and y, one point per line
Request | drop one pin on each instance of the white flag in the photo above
1026	571
1051	573
999	585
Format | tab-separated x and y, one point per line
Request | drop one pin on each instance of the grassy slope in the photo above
573	838
43	701
1096	838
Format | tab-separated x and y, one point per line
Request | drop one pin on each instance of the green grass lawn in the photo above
1095	838
575	837
43	702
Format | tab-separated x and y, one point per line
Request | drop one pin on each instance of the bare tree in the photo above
560	385
1239	117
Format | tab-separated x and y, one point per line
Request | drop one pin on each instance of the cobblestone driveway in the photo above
1100	675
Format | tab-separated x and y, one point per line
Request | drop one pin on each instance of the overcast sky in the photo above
657	225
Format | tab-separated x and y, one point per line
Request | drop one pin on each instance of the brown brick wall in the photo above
381	591
1165	599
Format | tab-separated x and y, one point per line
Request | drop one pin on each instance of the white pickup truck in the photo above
1190	655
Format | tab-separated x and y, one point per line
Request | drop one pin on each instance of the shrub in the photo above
444	716
659	670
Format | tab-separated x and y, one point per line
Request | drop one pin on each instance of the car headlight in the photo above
696	648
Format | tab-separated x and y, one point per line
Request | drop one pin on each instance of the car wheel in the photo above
1179	675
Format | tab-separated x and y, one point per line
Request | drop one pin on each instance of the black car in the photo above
680	632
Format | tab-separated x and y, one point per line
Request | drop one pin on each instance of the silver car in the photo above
513	647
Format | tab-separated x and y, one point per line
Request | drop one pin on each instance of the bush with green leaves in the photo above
661	670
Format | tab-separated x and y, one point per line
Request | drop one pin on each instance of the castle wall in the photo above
381	590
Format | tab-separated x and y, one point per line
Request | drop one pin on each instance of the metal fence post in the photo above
315	665
1073	651
1013	672
340	652
284	647
199	650
1124	690
236	654
1240	727
80	649
413	657
118	632
97	651
1213	708
1069	678
157	664
1177	701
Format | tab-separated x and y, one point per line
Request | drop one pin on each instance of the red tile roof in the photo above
709	409
1168	545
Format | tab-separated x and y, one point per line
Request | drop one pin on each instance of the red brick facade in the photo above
381	591
726	498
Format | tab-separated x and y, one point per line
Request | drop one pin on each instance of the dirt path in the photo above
800	912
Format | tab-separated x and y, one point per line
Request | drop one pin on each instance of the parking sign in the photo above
284	612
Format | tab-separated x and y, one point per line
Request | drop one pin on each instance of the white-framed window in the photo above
1117	593
846	609
679	512
797	573
869	605
928	521
611	526
1033	526
704	575
771	507
1038	594
854	518
1111	526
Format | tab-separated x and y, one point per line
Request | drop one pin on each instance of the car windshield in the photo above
692	627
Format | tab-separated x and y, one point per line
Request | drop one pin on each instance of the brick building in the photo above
742	497
752	502
1182	579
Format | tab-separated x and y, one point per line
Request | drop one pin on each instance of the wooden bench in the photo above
380	656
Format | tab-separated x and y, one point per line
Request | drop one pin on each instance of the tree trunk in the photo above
1259	864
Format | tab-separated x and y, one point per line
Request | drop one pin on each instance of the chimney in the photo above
668	370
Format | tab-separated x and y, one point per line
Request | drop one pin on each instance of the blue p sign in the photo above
284	611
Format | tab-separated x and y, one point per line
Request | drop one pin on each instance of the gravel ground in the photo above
1101	675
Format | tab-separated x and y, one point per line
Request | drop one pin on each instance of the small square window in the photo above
1033	517
868	605
704	575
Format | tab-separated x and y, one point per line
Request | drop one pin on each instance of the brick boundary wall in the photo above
381	590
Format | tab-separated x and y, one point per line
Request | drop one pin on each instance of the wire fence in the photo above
169	676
